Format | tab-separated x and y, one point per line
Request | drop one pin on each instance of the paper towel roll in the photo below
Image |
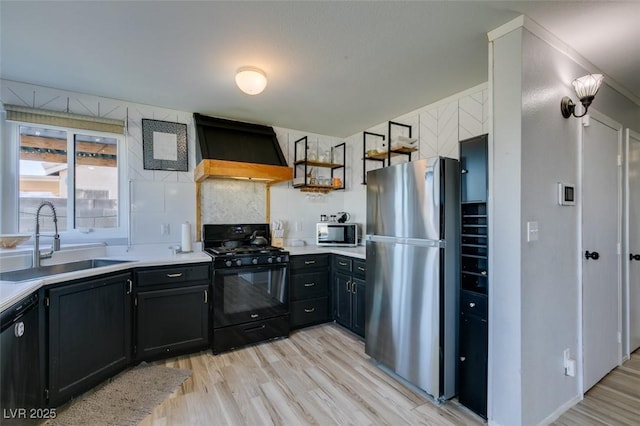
186	237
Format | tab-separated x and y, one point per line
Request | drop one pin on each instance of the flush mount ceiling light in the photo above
251	80
586	88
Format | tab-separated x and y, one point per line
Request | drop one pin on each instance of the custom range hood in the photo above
232	149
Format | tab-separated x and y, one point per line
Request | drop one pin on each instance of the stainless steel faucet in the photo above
55	246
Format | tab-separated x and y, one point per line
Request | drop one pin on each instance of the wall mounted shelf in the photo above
388	150
305	165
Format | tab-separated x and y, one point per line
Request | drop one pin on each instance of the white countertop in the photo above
137	256
358	252
12	292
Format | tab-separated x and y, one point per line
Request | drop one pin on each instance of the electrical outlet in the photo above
164	229
569	364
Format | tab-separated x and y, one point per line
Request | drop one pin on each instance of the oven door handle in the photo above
256	328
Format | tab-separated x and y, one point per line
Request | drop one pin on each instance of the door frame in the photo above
626	354
585	122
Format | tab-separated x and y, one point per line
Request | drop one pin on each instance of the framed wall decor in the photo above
164	145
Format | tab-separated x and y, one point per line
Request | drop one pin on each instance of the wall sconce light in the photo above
586	88
251	80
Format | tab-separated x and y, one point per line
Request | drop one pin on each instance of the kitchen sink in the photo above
43	271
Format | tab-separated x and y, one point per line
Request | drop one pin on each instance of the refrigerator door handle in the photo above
403	240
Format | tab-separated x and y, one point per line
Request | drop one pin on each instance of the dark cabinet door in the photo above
89	325
172	320
473	166
342	291
359	301
472	372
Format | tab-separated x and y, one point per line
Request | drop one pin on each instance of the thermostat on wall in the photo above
566	194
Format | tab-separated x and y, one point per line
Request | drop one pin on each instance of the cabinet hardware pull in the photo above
254	315
129	286
309	284
353	287
348	286
177	275
309	310
258	328
483	272
634	256
206	297
472	304
360	268
464	171
309	262
343	264
463	358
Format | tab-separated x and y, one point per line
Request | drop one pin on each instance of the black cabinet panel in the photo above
172	320
359	268
472	368
473	163
342	294
359	302
310	311
472	303
474	276
89	325
309	290
309	286
305	262
349	293
227	338
173	274
172	305
342	264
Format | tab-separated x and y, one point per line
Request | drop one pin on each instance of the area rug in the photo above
125	399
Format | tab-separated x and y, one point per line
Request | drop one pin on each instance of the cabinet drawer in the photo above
310	311
342	264
472	303
359	268
172	274
309	286
309	261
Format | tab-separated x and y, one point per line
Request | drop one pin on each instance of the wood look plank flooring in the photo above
318	376
614	400
321	376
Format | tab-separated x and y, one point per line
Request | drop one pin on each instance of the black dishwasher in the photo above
19	356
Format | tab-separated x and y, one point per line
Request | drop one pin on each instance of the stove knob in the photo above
278	259
238	262
269	259
254	260
227	263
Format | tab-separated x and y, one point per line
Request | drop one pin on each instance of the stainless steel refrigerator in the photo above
413	252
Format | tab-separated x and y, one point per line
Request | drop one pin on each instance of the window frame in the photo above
11	184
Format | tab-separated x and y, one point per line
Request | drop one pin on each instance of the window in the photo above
79	171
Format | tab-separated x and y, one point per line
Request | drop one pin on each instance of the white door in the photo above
633	235
601	235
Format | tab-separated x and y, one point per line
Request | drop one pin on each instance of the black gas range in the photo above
250	285
224	257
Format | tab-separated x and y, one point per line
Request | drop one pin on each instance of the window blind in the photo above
63	119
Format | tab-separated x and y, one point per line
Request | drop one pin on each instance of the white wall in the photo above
534	298
154	197
439	127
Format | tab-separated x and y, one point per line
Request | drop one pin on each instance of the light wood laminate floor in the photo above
318	376
614	400
321	376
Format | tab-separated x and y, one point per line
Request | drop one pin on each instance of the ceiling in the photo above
334	68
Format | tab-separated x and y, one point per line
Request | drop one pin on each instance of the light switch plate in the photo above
532	231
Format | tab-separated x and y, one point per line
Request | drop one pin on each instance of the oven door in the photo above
249	293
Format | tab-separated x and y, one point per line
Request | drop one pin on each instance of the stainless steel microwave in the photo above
337	234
